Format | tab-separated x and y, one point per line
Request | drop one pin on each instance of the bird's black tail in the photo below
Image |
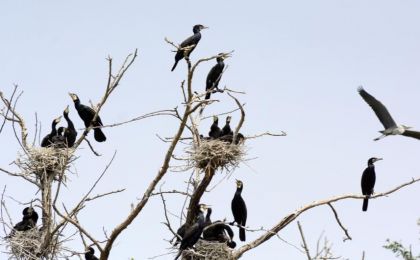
242	233
173	68
365	204
99	135
208	95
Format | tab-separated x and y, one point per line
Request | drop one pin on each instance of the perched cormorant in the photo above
215	129
226	129
29	219
214	76
70	133
216	231
86	114
192	40
193	233
47	140
90	254
391	128
239	209
368	181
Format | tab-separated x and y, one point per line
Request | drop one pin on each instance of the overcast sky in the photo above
299	62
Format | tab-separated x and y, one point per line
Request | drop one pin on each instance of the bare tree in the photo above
47	169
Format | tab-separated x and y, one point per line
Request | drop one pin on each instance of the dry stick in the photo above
8	108
348	237
241	121
167	223
292	216
304	245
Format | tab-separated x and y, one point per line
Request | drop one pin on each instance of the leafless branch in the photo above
348	237
292	216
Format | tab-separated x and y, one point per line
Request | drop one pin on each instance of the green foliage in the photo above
400	250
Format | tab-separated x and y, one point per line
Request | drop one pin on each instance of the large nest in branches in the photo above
208	250
25	244
215	154
28	245
41	161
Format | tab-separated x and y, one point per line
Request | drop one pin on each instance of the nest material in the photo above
215	154
25	244
41	161
208	250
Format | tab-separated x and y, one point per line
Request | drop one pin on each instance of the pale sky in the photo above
299	63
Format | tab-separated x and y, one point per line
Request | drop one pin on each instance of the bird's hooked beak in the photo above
73	96
378	159
66	111
57	120
406	127
204	27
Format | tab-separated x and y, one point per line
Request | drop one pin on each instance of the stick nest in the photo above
25	244
208	250
40	161
215	154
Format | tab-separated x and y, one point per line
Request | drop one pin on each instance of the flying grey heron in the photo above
391	128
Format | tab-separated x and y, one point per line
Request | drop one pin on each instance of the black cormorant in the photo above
193	233
215	129
391	128
90	254
368	181
226	129
192	40
86	114
239	209
216	231
47	140
214	76
29	219
70	133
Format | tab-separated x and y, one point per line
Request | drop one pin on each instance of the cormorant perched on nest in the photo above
239	210
214	76
86	114
216	231
47	140
215	131
193	233
226	129
70	133
368	181
192	40
30	217
90	254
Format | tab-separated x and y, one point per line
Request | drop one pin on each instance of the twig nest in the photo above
41	161
216	153
25	244
208	250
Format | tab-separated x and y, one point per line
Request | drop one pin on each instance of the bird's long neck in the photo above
69	122
238	190
53	127
76	103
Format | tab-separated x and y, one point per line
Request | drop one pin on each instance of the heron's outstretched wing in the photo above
413	134
379	109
